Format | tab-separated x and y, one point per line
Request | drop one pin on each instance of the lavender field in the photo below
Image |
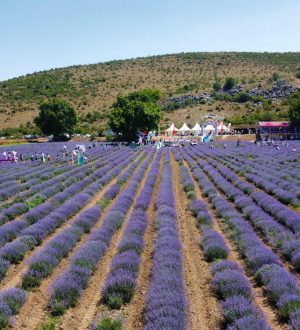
198	237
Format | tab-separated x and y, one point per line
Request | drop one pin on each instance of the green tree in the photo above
135	112
294	110
229	83
56	117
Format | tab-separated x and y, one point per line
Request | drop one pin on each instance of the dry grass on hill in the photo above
94	87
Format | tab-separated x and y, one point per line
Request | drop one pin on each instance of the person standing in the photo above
42	157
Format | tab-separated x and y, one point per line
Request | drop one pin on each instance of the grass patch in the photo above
297	208
51	324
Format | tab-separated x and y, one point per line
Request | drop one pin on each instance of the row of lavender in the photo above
281	287
19	180
29	235
121	282
166	305
279	224
43	263
68	286
35	178
228	280
63	177
277	176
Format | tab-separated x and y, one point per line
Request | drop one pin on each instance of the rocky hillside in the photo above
93	88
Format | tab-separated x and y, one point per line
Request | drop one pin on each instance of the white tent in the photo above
171	129
196	129
209	128
222	128
184	128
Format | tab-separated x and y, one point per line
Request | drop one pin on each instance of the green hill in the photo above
93	88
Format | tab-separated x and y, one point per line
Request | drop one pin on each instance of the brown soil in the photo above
38	298
134	311
259	297
204	311
81	316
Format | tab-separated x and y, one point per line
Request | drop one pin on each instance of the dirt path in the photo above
38	298
134	311
81	316
204	311
259	297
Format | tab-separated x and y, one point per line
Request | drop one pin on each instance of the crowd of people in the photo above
11	156
72	156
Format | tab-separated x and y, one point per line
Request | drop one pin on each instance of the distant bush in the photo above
230	82
217	86
275	76
297	74
294	109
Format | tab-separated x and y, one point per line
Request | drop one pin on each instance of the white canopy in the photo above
172	128
209	128
222	127
184	128
196	128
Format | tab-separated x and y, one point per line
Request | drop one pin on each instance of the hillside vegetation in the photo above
92	89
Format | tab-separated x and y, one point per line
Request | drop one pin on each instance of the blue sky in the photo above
42	34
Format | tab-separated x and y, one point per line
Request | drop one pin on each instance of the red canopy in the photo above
274	124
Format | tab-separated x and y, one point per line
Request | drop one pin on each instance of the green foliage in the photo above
185	89
20	131
38	86
50	324
114	301
104	202
92	117
191	195
297	74
229	83
241	97
58	308
29	282
109	324
275	76
217	86
214	253
288	308
255	117
34	202
294	110
137	111
56	117
4	320
188	188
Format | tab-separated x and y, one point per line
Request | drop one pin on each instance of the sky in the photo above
38	35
